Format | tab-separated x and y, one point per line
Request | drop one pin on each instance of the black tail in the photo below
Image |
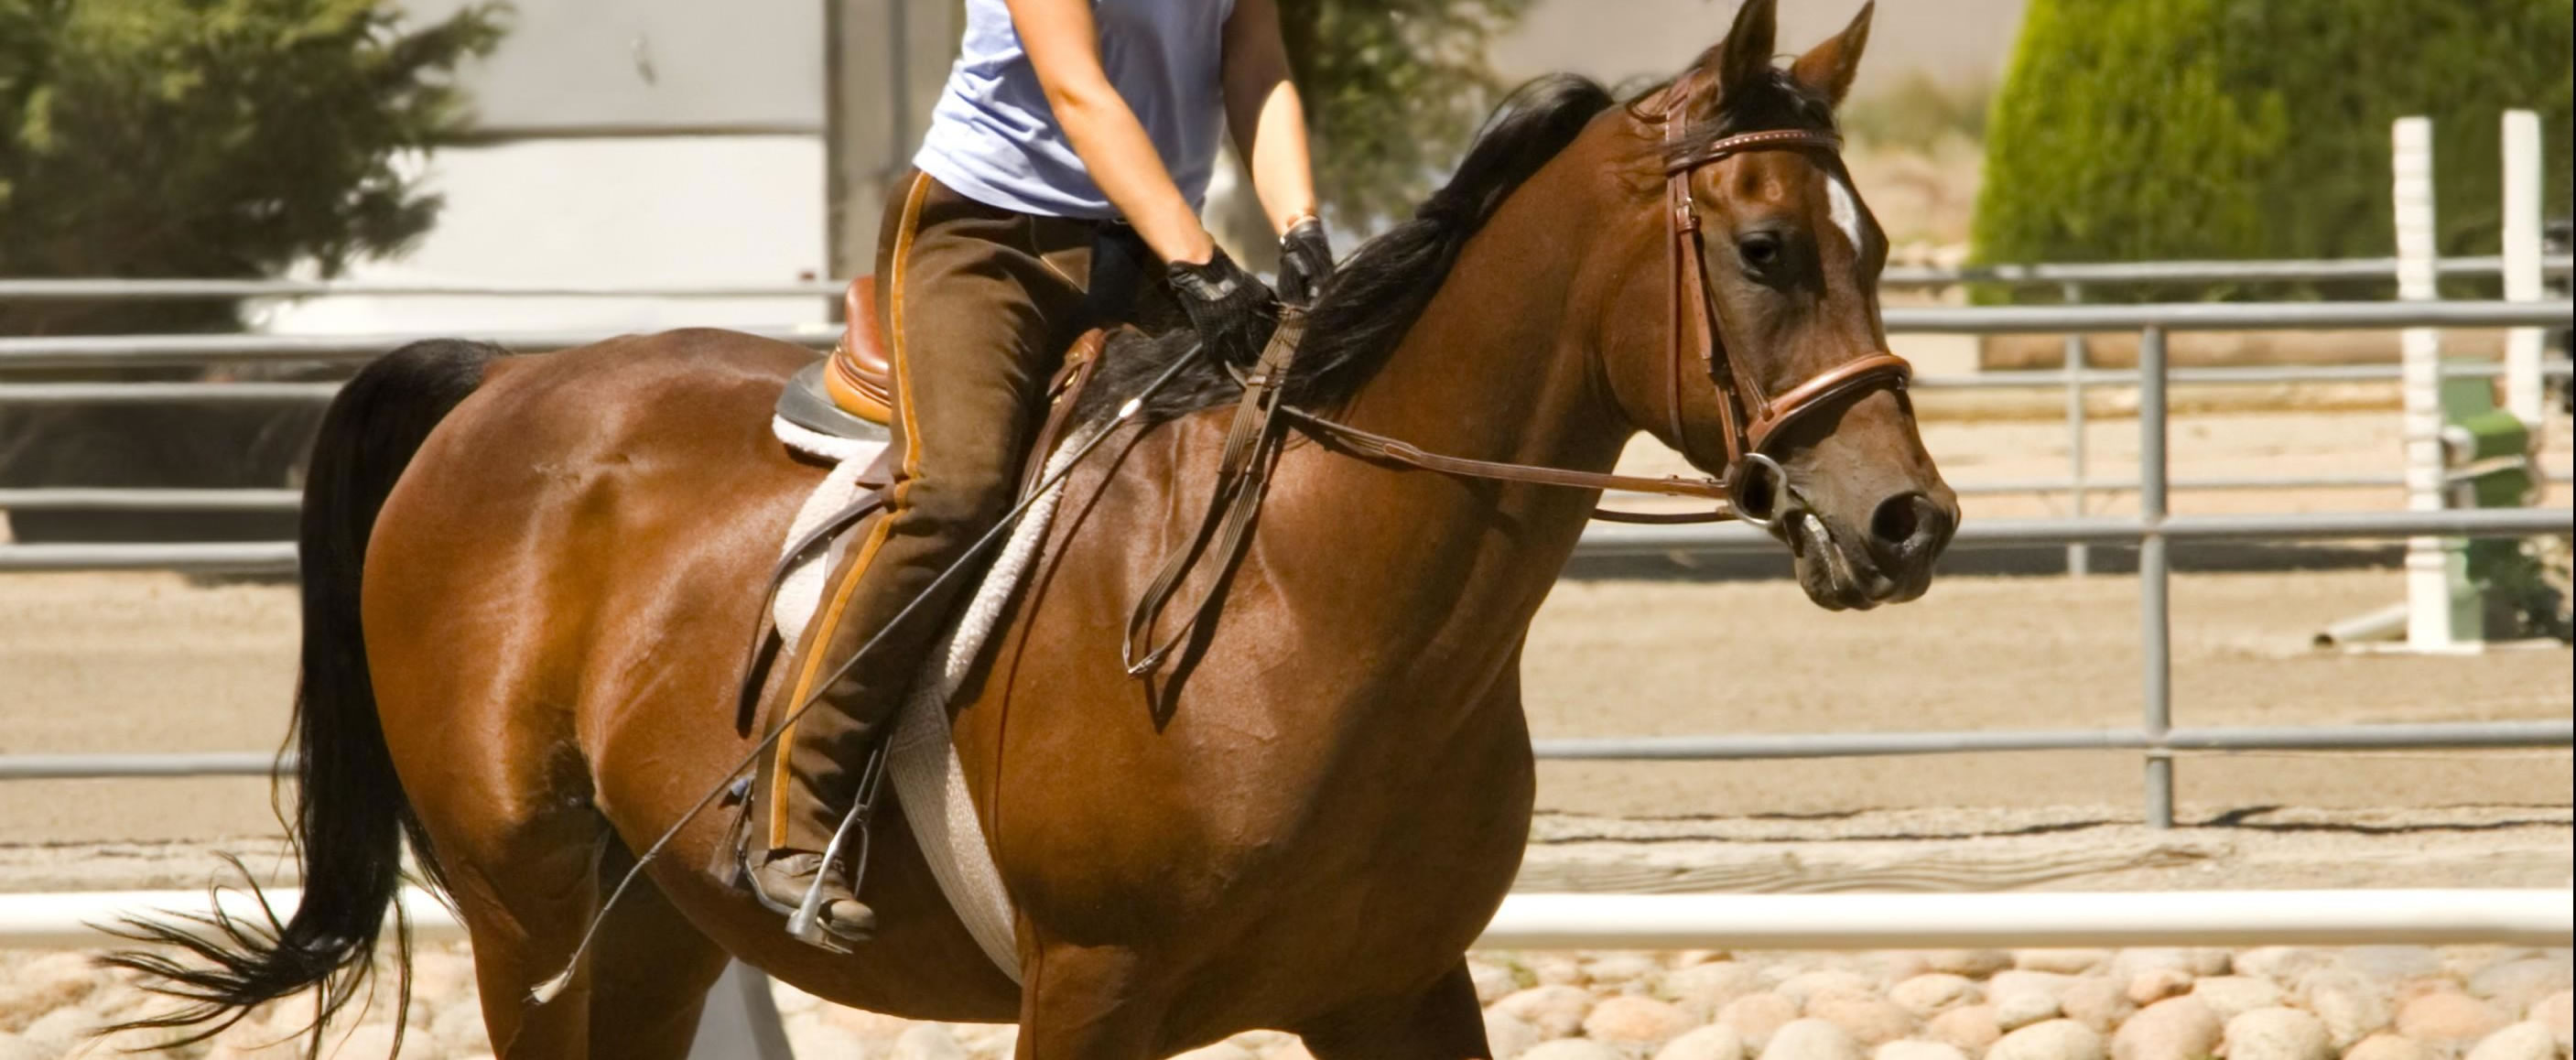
350	815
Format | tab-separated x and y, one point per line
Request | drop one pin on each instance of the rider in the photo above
1059	115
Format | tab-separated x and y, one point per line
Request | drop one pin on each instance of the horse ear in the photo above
1746	54
1828	68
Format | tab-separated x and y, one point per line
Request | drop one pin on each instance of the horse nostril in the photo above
1899	519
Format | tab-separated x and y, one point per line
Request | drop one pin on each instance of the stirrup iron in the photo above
806	923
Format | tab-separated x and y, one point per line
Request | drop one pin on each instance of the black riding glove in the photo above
1305	262
1230	308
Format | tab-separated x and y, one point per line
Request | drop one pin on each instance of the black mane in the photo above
1380	289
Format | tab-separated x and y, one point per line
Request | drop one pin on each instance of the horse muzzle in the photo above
1854	565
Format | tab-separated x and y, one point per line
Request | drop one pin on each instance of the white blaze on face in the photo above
1846	210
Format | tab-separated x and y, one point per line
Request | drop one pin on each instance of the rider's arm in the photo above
1268	118
1063	44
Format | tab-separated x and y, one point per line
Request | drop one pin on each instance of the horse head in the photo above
1770	368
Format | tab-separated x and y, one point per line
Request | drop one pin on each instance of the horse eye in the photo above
1759	249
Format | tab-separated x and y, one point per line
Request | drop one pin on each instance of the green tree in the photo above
2163	129
214	138
1395	88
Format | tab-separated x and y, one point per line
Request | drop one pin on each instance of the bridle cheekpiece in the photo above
1747	413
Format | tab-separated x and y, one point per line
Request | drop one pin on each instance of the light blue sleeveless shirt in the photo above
994	137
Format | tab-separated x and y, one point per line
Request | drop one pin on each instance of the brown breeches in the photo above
980	304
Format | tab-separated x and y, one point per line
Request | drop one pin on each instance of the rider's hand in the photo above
1305	262
1230	308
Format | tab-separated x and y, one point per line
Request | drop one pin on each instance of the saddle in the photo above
850	393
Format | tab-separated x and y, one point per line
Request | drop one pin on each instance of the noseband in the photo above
1747	413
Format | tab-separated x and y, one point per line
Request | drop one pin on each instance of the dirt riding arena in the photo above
164	663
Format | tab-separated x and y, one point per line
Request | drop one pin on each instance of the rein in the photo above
1370	445
1748	414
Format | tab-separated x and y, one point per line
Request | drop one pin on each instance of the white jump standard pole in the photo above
2434	567
2523	281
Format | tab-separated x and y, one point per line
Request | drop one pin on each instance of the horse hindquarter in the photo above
558	601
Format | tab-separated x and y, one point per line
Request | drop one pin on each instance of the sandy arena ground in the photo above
103	662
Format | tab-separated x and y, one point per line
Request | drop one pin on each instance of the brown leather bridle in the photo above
1747	414
1750	417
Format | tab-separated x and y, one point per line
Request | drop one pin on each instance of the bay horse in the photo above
527	580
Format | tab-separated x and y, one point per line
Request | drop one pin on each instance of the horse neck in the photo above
1502	364
1500	367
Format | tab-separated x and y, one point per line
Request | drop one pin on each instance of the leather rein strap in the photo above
1369	445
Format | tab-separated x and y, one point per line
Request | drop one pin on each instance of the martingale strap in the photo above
1242	479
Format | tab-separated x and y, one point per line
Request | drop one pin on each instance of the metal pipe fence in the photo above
95	351
144	351
2225	316
2152	531
2420	736
282	501
2073	276
253	392
112	289
246	392
2455	736
2234	375
2061	275
59	498
1599	541
129	351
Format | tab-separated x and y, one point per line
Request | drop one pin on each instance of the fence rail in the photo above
248	392
144	351
109	289
2152	531
2466	735
2455	736
84	498
1539	921
2081	274
1599	541
106	288
125	351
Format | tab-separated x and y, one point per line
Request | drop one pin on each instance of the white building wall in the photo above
601	166
659	211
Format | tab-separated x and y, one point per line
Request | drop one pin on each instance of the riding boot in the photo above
812	796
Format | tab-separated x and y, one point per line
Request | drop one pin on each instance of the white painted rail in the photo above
2030	919
1738	921
73	920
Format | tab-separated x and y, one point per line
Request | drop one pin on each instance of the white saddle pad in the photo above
921	758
